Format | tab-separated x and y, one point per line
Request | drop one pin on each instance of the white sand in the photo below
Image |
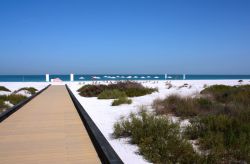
4	93
13	86
105	115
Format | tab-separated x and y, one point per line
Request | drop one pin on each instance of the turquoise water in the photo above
41	78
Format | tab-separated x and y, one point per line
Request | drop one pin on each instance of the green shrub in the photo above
218	92
221	123
15	98
132	89
204	103
91	90
125	85
2	88
12	98
1	102
3	106
121	100
226	137
230	100
111	94
3	97
225	94
31	90
225	100
158	139
174	104
136	92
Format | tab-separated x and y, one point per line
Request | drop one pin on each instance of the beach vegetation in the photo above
136	92
218	99
225	137
219	121
30	90
228	94
159	140
183	86
174	104
3	106
185	107
91	90
13	98
121	100
131	89
205	86
168	85
2	88
111	94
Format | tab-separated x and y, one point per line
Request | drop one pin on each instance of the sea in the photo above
108	77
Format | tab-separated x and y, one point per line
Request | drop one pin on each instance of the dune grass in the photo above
131	89
159	140
218	99
13	98
2	88
119	91
226	138
119	96
220	121
91	90
16	98
111	94
31	90
121	100
3	106
185	107
136	92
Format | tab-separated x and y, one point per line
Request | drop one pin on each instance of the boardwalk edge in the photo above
104	149
16	107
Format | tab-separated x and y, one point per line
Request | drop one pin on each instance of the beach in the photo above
104	115
13	86
132	82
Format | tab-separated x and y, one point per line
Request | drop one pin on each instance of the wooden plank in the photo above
47	129
102	146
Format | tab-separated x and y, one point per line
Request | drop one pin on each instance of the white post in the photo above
166	76
184	77
47	77
71	77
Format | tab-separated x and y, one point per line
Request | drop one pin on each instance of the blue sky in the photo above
125	36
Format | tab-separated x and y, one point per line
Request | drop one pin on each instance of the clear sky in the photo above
125	36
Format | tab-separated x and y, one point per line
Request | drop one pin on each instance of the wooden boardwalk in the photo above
46	130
